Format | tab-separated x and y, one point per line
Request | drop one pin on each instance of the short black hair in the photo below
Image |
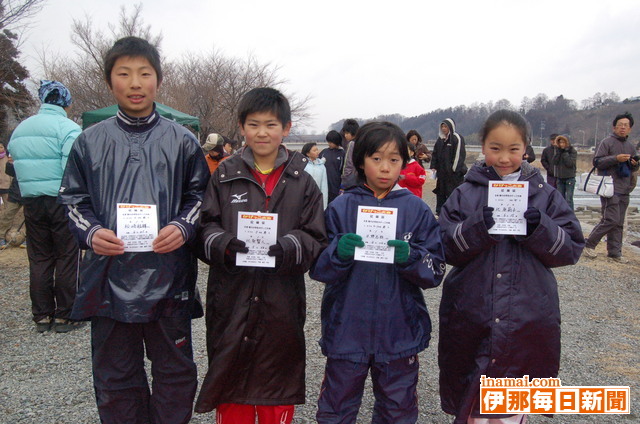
508	117
351	126
373	135
553	136
264	99
132	47
307	147
334	137
625	115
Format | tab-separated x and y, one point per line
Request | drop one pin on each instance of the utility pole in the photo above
582	131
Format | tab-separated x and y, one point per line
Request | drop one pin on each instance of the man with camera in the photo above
615	156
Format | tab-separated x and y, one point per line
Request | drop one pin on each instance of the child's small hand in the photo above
532	215
235	246
169	239
105	242
487	215
402	250
347	245
276	251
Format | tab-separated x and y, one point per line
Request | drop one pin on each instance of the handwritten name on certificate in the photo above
376	226
509	200
259	231
137	226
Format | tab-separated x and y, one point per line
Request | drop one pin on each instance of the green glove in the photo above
402	250
347	245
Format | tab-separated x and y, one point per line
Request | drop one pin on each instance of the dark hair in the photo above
264	99
412	147
334	137
307	148
553	136
411	133
132	47
219	150
508	117
351	126
625	115
373	135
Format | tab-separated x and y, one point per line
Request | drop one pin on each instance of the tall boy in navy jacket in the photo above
137	301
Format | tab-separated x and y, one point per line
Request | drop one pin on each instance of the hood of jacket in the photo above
317	162
452	128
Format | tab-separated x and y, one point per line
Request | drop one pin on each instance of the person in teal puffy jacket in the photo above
40	147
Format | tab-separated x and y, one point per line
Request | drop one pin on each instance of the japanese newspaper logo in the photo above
548	396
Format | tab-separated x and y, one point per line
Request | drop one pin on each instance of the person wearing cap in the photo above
40	147
214	151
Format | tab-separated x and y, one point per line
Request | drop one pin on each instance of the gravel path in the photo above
46	378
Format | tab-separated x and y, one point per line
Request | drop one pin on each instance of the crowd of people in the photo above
144	201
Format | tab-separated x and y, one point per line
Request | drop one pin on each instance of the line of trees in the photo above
208	86
585	125
15	100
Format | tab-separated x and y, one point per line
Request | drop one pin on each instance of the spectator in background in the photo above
422	154
315	167
214	151
349	174
334	159
228	146
615	156
448	159
529	154
413	176
547	156
12	216
40	147
5	180
564	168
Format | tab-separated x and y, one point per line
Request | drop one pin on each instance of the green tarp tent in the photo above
93	116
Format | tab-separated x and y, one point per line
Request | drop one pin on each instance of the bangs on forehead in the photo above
389	145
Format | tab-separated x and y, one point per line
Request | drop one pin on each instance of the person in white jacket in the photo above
315	167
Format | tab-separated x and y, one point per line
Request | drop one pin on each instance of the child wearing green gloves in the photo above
373	312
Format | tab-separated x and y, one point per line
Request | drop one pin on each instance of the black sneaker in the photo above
65	325
43	325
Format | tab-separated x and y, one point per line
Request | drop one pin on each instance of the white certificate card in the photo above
376	226
509	200
137	226
259	231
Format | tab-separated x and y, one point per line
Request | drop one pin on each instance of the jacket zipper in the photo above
262	186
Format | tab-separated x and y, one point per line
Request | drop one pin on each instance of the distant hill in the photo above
584	125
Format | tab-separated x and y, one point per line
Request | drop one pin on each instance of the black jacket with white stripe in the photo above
162	166
255	316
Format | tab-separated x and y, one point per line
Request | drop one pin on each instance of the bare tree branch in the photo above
14	11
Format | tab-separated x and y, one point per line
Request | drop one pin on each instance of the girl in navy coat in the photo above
499	314
373	314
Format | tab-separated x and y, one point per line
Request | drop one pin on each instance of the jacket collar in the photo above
619	138
50	109
482	174
241	163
